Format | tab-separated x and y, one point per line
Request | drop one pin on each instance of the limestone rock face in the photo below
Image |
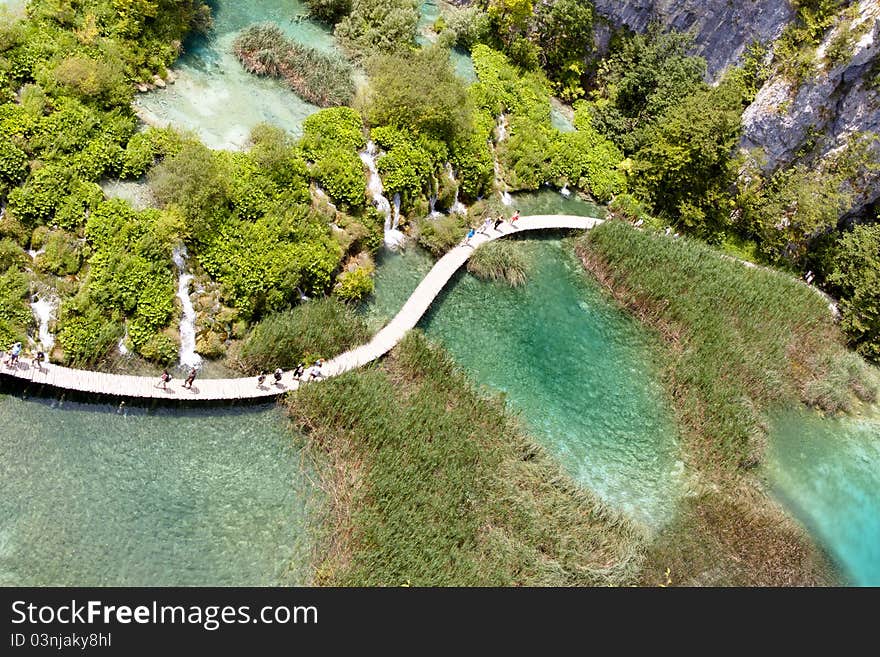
787	120
723	28
835	103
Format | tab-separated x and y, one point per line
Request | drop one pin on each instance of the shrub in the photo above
469	25
354	285
856	274
329	11
62	256
319	328
419	92
379	26
441	234
13	163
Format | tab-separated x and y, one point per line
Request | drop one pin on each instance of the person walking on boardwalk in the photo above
189	379
487	224
315	372
514	218
298	371
498	221
164	379
278	374
261	379
39	357
467	240
14	353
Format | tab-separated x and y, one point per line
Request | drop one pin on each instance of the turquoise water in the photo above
578	370
95	497
215	97
827	473
461	59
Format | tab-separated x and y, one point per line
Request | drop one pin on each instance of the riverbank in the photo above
432	482
740	342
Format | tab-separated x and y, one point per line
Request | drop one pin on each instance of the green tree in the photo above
565	33
379	26
856	275
419	92
686	164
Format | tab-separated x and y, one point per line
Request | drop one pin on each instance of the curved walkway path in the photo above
246	387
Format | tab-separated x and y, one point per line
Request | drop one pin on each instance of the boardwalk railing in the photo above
246	387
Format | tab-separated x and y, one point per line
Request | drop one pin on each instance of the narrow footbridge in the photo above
246	387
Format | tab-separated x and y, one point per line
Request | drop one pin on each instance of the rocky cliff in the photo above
820	115
810	119
723	29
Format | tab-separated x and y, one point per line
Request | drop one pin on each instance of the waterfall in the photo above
393	237
188	355
565	191
43	308
123	350
457	206
396	211
501	129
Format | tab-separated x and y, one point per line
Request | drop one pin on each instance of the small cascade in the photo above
120	346
396	212
321	194
432	203
43	307
506	198
34	253
565	191
393	237
501	128
457	206
188	355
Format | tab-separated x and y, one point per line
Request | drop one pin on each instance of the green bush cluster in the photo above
263	265
355	285
378	26
129	276
441	234
856	276
15	313
536	153
331	141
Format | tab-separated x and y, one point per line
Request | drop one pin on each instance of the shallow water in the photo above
95	497
215	97
578	370
827	473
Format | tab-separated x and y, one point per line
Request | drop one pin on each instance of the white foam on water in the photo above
188	355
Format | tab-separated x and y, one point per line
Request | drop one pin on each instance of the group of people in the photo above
187	383
14	355
490	223
299	372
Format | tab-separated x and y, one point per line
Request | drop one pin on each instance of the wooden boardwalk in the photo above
120	385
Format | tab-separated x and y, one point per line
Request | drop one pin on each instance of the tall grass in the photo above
433	483
322	328
501	260
744	339
320	78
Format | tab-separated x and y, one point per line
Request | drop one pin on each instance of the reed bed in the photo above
500	260
320	78
433	483
744	339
